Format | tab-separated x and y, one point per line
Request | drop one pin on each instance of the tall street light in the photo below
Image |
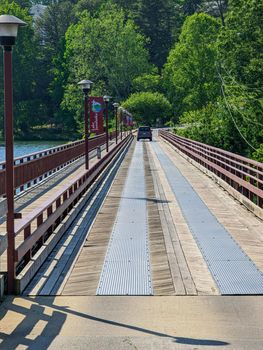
121	119
8	33
107	100
116	105
86	87
125	118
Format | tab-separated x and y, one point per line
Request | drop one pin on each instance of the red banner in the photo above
129	120
96	104
124	119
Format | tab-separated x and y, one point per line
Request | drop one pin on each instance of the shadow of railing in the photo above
38	328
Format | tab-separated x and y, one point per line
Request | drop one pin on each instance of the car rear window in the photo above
144	128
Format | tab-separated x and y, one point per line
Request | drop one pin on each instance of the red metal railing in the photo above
40	223
243	174
35	166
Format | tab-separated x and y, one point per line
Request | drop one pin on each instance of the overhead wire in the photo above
231	114
236	107
241	88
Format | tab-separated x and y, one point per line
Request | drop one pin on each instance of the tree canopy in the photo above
28	108
197	62
190	72
234	117
106	40
149	108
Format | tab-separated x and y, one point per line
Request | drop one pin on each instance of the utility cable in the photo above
236	107
234	121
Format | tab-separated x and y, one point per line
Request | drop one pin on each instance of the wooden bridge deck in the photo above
59	308
243	225
177	265
35	196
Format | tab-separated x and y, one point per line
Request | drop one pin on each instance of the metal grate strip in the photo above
126	269
231	268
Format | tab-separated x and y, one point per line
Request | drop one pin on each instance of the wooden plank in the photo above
160	270
244	227
176	269
84	277
195	273
57	269
35	197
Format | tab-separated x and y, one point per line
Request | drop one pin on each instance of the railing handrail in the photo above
69	191
49	150
36	168
242	177
256	190
231	154
222	156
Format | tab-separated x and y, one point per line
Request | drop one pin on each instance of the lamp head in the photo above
106	98
8	29
115	105
85	85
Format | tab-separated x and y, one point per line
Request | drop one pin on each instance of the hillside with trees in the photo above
196	63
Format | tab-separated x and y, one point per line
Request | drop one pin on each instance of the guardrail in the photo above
36	166
40	223
243	174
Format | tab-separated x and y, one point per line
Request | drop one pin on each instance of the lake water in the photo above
22	148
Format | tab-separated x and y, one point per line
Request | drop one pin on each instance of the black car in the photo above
144	132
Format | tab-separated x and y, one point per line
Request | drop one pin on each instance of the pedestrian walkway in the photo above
233	271
126	269
182	224
146	237
51	277
34	196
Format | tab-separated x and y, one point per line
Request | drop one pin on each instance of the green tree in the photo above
106	48
190	75
240	42
258	154
215	126
241	69
147	82
156	20
50	32
92	6
148	108
28	109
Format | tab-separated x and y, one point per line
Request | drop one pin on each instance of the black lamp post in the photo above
8	33
107	100
116	105
86	87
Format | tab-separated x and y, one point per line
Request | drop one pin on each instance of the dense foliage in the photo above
196	62
235	120
190	71
150	108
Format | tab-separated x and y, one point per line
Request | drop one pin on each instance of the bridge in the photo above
154	241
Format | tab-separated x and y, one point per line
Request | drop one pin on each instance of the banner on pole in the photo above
124	120
118	116
129	120
96	114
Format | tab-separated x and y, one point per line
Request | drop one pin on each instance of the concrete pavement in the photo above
208	322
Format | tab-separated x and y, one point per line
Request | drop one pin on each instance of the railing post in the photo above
86	117
8	106
99	152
